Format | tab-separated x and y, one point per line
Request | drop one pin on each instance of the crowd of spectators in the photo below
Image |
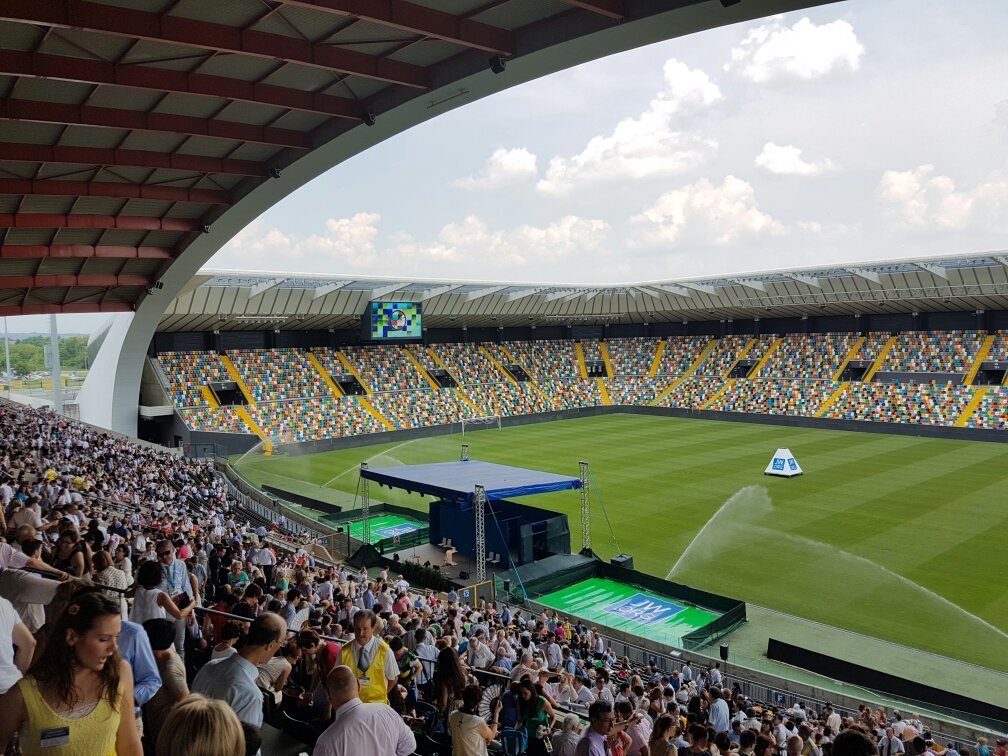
234	625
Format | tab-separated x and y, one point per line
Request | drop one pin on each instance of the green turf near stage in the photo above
897	537
606	602
383	526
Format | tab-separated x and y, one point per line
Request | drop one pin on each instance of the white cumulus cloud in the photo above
503	168
919	199
705	213
787	160
645	146
805	50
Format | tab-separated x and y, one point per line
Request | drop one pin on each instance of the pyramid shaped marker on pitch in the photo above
783	464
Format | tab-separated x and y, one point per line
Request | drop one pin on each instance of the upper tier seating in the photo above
774	396
592	350
544	360
809	356
384	368
872	346
680	353
723	357
999	348
278	374
934	352
467	364
419	408
632	356
913	403
187	372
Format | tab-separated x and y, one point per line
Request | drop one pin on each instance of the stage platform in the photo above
436	556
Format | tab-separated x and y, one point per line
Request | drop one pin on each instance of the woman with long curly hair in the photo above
450	681
77	697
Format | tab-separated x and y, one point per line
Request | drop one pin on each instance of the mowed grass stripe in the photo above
929	510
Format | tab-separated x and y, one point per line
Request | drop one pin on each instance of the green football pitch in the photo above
897	537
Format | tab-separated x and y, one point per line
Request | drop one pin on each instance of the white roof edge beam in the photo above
479	293
806	279
431	293
646	291
563	294
262	286
934	270
384	291
321	291
1003	259
577	294
681	291
522	293
591	294
703	288
867	275
750	283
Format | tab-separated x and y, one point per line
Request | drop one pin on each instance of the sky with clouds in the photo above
860	130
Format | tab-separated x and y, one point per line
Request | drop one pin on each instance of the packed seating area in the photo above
188	372
632	356
776	396
680	353
933	352
796	380
420	408
816	356
467	363
313	418
506	398
914	403
992	411
274	375
385	368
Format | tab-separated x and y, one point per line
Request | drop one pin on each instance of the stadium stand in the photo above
179	514
632	356
933	352
313	418
635	389
507	398
467	364
999	347
544	360
775	396
915	403
421	408
384	368
592	350
680	353
692	393
217	419
816	356
572	393
274	375
725	354
188	372
992	411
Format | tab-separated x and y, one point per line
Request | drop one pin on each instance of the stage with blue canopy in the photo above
456	481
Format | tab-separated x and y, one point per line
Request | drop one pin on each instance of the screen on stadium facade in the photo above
396	320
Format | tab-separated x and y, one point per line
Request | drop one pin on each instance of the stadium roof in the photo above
228	300
456	481
130	130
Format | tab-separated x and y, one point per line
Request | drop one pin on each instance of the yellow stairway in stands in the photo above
353	371
656	362
500	368
704	354
370	409
886	348
467	401
605	358
981	356
832	399
243	413
721	391
742	355
419	366
766	357
978	395
580	358
603	391
208	395
850	356
236	377
333	386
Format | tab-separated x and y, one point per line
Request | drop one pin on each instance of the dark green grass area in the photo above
897	537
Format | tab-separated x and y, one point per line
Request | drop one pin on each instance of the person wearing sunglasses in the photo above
178	583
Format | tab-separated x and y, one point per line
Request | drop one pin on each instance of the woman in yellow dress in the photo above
77	697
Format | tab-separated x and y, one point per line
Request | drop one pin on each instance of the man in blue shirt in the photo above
593	740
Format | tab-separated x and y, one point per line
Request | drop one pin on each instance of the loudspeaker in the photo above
724	652
507	587
463	575
498	63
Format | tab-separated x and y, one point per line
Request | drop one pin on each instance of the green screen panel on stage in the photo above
629	609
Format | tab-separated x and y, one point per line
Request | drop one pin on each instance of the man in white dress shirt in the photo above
358	728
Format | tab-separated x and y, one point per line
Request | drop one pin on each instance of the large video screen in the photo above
396	320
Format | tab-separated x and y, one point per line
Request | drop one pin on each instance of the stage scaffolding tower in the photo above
480	503
365	506
585	516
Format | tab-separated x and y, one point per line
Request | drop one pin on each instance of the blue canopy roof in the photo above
456	481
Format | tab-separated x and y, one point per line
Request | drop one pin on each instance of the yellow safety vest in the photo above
376	689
